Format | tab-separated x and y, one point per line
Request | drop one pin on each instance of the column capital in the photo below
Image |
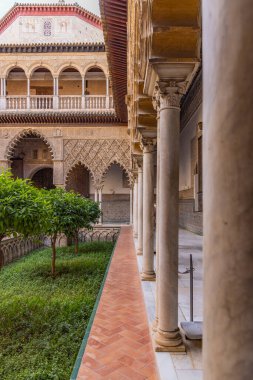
168	94
148	145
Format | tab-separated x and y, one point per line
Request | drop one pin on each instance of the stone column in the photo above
56	93
28	93
131	206
156	106
228	190
3	93
100	205
135	208
83	92
148	272
168	337
140	210
107	92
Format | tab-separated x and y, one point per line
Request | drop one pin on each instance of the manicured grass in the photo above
43	320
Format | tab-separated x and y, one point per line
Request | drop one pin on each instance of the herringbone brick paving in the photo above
119	346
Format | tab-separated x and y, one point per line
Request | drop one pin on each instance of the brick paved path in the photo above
119	346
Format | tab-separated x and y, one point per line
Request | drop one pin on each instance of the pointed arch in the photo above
23	134
122	166
80	163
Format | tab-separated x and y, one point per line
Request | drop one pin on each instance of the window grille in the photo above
47	28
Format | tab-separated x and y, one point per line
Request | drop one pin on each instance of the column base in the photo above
135	235
148	276
165	341
154	325
139	252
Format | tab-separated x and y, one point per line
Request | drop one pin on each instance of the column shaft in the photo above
228	190
140	211
155	324
148	273
100	205
131	206
168	337
135	208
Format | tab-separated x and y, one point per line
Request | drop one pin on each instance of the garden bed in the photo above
43	319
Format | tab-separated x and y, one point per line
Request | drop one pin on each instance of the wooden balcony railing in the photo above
57	103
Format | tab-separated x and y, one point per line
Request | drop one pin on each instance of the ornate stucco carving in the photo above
97	156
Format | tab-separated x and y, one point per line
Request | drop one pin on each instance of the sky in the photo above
90	5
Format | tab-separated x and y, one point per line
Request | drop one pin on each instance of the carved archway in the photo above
26	133
78	180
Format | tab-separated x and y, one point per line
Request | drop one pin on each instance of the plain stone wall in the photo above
116	208
188	218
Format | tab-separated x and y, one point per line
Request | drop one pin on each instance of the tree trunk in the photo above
53	241
76	244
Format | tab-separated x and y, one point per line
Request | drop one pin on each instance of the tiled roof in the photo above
114	19
59	117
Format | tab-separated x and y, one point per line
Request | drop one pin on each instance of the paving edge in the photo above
81	352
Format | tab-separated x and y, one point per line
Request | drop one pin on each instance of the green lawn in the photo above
43	320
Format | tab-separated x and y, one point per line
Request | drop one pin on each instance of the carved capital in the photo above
171	93
148	145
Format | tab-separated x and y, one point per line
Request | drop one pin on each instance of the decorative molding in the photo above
53	48
97	156
192	100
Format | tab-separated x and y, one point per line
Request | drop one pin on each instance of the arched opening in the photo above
41	89
95	82
16	82
70	82
116	196
43	179
30	154
16	89
78	180
70	89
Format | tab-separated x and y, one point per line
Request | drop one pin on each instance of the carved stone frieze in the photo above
97	156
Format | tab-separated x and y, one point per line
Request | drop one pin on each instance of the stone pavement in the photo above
181	366
119	346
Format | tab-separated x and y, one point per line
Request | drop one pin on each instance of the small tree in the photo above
69	212
23	209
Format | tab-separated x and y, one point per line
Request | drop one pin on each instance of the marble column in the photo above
131	207
148	272
228	190
155	323
28	93
140	211
135	208
168	337
100	196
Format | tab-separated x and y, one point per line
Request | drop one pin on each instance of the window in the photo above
47	28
